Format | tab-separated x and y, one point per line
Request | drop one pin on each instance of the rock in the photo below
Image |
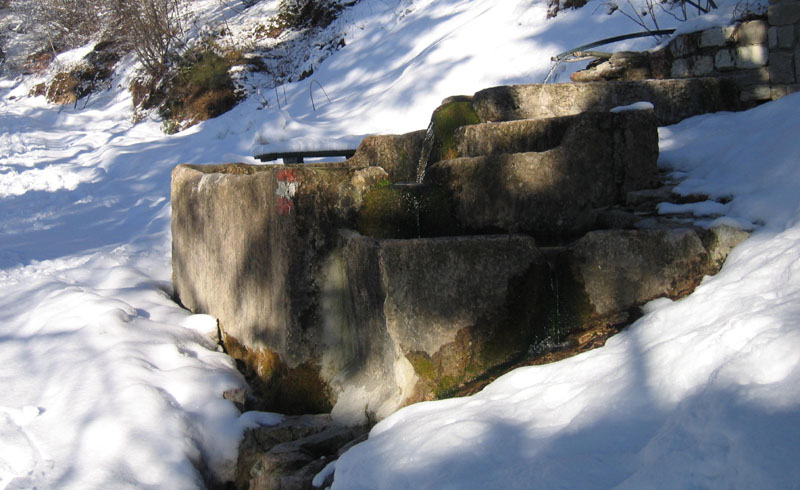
674	100
615	219
527	135
289	455
720	241
599	157
648	198
753	56
620	270
398	155
627	65
606	275
452	114
406	211
248	244
324	319
596	72
411	319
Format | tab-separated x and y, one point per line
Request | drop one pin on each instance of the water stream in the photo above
427	146
552	71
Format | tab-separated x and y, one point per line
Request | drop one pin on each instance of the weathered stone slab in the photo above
522	136
757	93
628	65
397	154
778	91
784	13
751	32
406	211
288	455
599	158
752	56
724	60
606	275
781	68
409	320
248	243
328	319
674	100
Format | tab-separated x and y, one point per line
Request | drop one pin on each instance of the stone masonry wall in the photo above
784	47
761	56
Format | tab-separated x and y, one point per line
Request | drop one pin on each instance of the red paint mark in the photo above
288	183
284	206
287	175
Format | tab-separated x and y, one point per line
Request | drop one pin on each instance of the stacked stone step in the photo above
327	318
548	177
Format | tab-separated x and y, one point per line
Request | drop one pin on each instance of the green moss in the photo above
447	384
473	370
383	183
446	120
384	214
406	211
302	390
422	365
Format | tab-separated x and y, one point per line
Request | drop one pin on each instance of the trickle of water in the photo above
553	69
427	146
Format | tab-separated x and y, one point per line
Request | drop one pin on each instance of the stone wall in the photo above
783	40
760	57
738	52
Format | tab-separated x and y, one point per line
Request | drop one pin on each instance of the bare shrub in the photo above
152	28
646	13
298	14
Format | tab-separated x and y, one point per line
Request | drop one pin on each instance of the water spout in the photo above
427	146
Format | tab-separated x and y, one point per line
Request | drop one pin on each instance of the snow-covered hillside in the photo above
106	383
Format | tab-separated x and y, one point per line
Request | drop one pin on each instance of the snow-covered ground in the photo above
106	383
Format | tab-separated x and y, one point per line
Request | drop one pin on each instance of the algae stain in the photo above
422	365
446	120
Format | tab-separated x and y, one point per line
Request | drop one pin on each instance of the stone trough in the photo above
341	288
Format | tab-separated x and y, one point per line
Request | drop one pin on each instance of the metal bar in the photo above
298	156
662	32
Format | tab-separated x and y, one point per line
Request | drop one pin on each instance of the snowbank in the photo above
107	383
699	393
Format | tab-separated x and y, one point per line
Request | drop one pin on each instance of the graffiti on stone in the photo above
287	188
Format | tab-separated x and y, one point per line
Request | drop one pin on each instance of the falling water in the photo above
427	146
553	69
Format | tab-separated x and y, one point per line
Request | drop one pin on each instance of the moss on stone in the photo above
275	386
302	390
422	365
446	119
385	214
406	211
447	384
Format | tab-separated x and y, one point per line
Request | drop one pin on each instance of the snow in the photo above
636	106
699	393
319	478
108	383
728	11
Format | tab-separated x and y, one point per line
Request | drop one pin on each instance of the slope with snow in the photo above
699	393
109	384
